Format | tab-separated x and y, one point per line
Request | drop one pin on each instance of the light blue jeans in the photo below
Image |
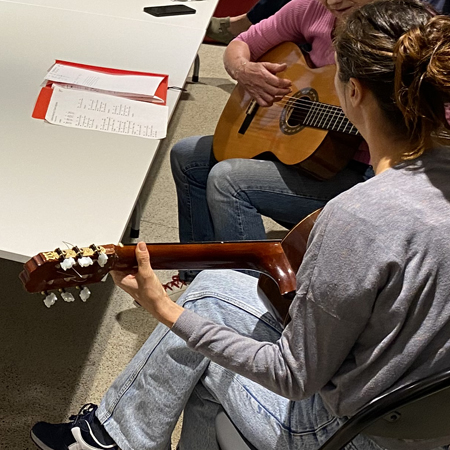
141	408
224	201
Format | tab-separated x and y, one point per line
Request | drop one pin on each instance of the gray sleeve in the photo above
337	285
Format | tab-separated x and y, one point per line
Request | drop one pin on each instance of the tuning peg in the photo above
66	263
49	299
85	293
85	261
102	257
67	296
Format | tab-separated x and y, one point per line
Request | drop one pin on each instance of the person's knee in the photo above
222	180
193	150
180	151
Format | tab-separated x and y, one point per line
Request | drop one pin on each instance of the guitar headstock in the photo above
61	269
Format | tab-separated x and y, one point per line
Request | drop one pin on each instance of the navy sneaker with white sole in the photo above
83	432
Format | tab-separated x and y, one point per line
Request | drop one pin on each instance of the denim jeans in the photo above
225	200
141	408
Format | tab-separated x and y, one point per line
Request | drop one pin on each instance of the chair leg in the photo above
196	69
136	221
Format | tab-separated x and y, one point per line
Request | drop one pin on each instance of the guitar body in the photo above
294	246
277	129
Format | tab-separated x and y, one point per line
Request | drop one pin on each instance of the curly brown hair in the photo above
400	50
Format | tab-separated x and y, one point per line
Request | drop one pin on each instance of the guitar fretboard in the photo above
332	118
323	116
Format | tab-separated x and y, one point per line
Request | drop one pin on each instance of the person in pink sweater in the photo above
304	22
225	201
225	29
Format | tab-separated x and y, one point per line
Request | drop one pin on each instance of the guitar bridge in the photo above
252	109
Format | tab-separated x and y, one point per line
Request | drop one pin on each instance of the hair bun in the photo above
423	53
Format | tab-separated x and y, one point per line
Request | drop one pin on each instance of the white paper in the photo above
101	112
113	83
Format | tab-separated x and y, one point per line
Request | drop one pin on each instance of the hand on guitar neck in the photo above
278	262
145	288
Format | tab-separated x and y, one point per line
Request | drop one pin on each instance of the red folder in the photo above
40	109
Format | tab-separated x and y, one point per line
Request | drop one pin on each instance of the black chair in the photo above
420	410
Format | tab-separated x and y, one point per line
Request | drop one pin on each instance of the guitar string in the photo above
322	110
443	133
338	114
307	102
337	109
319	116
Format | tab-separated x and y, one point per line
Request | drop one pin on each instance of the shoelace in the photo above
174	283
85	409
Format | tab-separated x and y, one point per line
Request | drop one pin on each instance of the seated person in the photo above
372	308
225	29
225	200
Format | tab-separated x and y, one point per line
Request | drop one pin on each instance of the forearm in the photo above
235	58
167	312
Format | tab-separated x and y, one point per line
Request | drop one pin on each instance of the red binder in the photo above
40	109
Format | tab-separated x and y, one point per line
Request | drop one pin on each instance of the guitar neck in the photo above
266	257
325	117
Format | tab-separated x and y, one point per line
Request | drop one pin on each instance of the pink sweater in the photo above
299	21
302	22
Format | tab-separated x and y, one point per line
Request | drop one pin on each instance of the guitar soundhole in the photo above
296	110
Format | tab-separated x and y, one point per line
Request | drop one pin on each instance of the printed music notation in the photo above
95	111
104	99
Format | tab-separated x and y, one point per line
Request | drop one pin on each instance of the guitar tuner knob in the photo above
49	299
67	296
85	293
85	261
102	257
67	263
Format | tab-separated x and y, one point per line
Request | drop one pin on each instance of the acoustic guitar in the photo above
277	260
307	128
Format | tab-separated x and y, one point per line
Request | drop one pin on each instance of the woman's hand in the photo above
259	79
146	289
261	82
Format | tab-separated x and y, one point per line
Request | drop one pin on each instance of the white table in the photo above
133	9
61	184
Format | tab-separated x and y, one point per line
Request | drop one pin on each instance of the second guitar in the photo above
307	128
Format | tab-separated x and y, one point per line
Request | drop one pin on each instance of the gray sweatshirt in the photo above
372	309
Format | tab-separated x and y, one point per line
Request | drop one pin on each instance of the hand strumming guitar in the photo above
259	78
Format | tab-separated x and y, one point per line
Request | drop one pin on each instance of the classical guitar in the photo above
277	260
307	128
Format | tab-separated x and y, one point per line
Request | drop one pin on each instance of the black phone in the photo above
169	10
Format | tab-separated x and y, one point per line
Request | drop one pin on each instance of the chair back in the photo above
419	410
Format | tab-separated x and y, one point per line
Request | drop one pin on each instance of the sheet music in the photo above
101	112
114	83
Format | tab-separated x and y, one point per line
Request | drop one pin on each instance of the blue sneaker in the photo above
84	432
